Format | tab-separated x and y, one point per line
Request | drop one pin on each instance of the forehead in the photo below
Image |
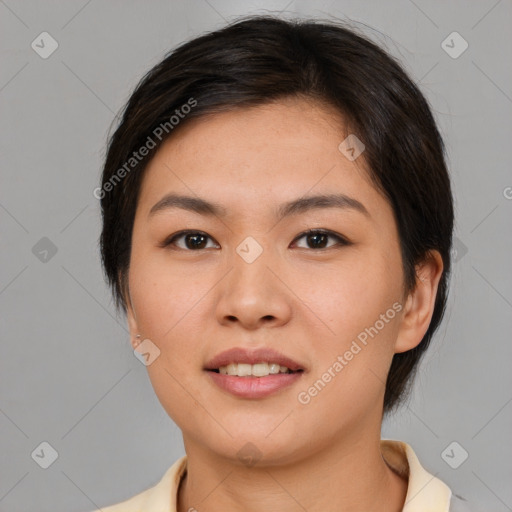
291	128
273	152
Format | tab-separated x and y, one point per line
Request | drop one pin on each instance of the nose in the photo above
253	294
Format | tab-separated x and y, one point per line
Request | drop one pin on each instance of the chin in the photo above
257	450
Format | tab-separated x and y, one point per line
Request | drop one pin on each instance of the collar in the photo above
425	492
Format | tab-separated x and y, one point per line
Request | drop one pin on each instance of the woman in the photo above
277	224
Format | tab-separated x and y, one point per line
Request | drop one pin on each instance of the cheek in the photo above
350	366
352	295
164	295
360	303
166	304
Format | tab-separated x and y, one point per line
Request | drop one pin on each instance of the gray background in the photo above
68	375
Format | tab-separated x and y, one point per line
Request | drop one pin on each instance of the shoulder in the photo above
162	496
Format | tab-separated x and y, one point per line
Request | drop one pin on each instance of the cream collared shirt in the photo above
425	492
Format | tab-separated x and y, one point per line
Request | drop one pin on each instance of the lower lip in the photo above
254	387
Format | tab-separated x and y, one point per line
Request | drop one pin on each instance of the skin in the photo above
308	303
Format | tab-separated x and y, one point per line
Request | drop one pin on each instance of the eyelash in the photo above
341	241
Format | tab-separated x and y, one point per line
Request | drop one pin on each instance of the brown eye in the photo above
197	240
193	240
318	239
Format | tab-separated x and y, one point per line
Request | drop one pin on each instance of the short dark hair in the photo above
260	59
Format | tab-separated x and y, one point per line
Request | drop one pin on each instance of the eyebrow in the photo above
295	207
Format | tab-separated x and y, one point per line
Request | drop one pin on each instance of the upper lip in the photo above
242	355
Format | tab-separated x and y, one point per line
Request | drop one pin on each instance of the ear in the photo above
130	313
420	303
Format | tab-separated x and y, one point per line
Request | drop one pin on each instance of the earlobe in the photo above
420	303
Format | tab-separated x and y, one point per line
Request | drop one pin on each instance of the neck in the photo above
351	476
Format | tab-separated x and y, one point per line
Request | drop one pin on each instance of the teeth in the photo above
254	370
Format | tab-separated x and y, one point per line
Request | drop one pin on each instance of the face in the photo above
247	277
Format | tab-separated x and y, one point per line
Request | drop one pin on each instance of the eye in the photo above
194	240
197	240
318	238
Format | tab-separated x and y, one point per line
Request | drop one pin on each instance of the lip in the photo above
254	387
242	355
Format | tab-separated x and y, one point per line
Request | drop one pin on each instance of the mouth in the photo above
257	362
251	387
260	370
253	374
